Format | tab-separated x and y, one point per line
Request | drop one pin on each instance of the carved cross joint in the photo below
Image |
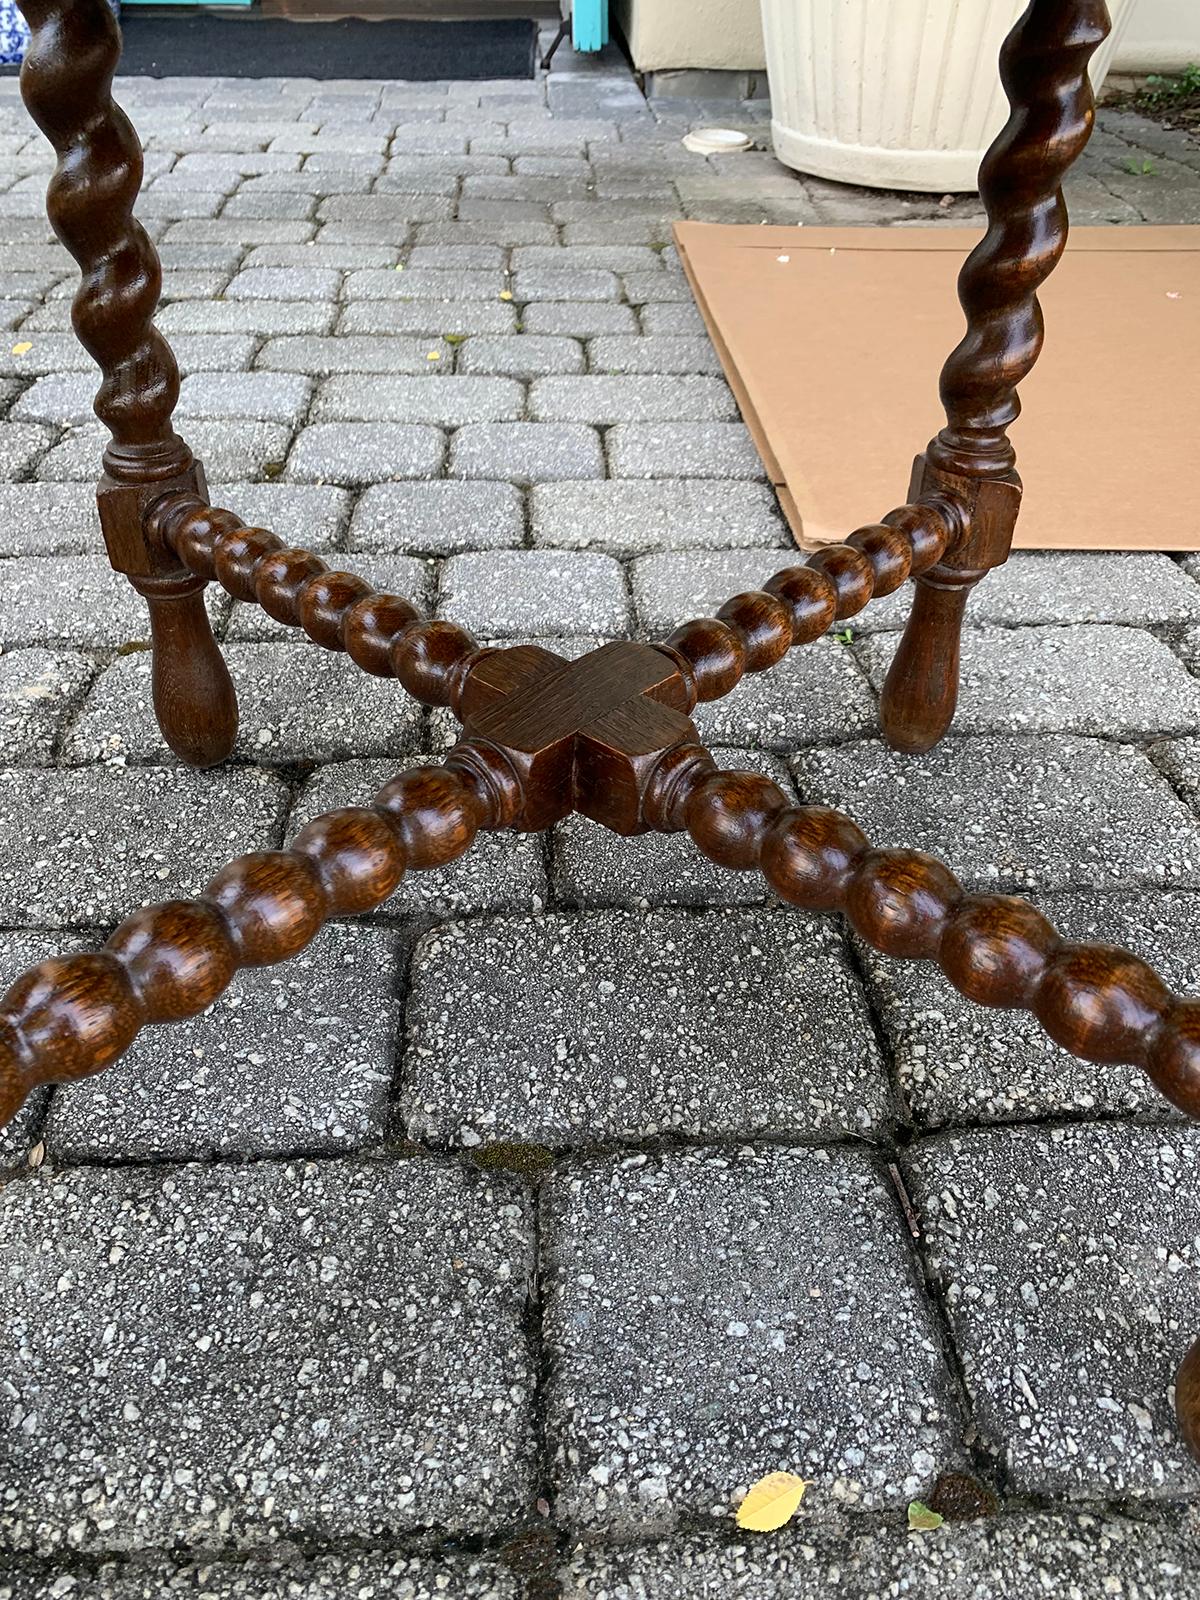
578	735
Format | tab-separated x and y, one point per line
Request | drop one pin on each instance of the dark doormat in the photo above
207	46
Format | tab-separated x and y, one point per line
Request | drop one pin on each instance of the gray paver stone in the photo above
957	1061
683	450
354	1288
813	695
549	592
523	355
311	515
21	444
291	1058
298	703
513	231
79	600
61	400
578	319
424	283
353	353
631	517
669	588
653	354
260	317
285	283
1046	813
501	871
672	320
526	452
440	518
228	449
1179	759
1105	681
442	399
66	860
718	1348
572	1030
324	1577
262	396
357	453
38	688
1058	587
432	319
1057	1558
659	398
1068	1259
341	257
593	866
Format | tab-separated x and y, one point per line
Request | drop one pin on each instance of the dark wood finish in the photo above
66	83
1100	1002
921	688
1187	1399
1044	68
384	634
608	735
580	735
72	1016
753	631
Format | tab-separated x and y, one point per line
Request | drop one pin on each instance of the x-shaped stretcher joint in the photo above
579	735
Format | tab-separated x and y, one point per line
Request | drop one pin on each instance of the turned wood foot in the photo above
194	698
921	688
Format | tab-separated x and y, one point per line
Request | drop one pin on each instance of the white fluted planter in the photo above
894	94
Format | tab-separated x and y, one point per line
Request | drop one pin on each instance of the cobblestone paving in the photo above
494	1246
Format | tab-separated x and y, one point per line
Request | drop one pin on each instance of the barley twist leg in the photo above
1044	67
66	83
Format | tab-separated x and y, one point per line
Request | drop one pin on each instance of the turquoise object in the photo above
589	24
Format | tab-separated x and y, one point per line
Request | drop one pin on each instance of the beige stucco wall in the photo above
1162	36
692	33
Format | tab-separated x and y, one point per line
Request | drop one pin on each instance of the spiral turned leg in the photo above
66	83
1044	70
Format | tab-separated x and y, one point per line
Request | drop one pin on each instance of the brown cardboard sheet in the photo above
832	339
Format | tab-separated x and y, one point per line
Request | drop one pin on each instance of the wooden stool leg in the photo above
1187	1399
921	688
971	462
66	83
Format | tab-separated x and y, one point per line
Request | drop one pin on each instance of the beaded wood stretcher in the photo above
608	735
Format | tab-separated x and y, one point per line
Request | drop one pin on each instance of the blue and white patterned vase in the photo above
14	34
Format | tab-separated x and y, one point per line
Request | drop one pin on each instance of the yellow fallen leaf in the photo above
398	268
506	294
23	349
771	1502
921	1519
434	355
